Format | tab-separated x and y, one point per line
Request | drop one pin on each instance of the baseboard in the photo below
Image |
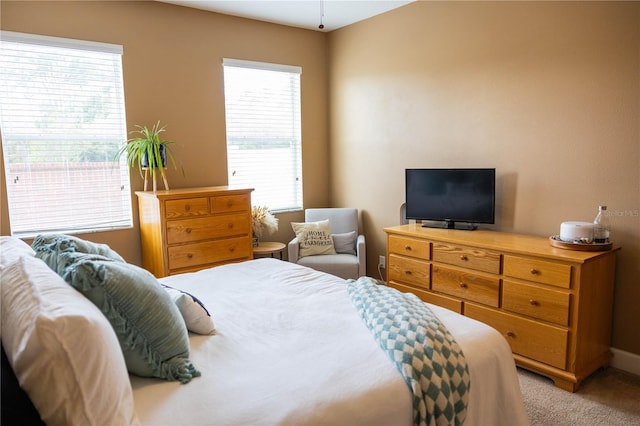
626	361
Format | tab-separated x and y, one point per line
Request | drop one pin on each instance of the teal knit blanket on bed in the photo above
426	354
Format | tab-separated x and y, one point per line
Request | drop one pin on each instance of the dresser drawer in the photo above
542	342
541	271
429	297
186	207
409	247
230	203
537	302
412	271
466	285
208	252
203	228
467	257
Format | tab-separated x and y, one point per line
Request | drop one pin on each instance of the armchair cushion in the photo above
341	265
314	237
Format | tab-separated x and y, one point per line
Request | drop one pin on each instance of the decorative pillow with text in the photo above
314	238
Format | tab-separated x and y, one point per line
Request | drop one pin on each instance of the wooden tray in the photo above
557	242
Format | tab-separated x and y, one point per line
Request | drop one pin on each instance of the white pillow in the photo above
314	237
62	349
11	249
196	316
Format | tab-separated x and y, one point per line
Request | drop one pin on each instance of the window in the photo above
263	132
62	120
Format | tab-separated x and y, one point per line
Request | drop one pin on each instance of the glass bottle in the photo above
601	226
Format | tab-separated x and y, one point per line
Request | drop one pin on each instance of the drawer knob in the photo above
408	272
187	207
408	248
188	230
534	302
534	271
230	226
190	255
511	334
463	285
463	257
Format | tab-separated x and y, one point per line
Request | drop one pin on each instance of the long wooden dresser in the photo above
185	230
553	306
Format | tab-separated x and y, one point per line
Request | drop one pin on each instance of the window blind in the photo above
262	102
62	119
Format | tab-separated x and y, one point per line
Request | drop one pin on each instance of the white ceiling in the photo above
307	14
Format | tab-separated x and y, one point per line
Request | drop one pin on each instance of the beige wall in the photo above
173	72
547	93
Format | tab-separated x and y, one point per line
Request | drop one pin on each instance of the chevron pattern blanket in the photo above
426	354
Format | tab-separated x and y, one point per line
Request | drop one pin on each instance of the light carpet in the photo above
608	397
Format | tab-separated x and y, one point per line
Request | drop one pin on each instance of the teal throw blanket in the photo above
426	354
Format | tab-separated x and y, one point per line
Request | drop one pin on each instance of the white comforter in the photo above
290	348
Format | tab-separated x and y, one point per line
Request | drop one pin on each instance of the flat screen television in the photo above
453	198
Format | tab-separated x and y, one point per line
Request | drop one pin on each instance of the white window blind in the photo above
262	103
62	119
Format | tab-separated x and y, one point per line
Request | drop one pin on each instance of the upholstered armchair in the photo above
349	260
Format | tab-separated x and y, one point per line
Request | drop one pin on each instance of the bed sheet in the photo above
290	348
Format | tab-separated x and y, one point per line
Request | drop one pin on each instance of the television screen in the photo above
451	195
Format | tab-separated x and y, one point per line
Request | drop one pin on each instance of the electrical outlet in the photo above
382	262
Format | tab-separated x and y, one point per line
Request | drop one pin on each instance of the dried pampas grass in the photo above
263	221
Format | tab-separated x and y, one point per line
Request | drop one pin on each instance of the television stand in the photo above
450	224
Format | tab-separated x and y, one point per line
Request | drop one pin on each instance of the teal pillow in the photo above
149	326
66	243
51	254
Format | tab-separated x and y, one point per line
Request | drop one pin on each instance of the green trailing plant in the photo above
148	151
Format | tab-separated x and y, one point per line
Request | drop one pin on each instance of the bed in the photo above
291	348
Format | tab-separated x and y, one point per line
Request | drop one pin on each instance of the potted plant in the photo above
262	220
148	152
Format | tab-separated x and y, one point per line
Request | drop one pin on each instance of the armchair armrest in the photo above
361	253
293	249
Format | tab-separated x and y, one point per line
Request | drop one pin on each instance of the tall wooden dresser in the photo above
185	230
553	306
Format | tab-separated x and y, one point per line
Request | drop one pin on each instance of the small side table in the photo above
270	248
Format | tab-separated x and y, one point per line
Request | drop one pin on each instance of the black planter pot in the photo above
163	156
